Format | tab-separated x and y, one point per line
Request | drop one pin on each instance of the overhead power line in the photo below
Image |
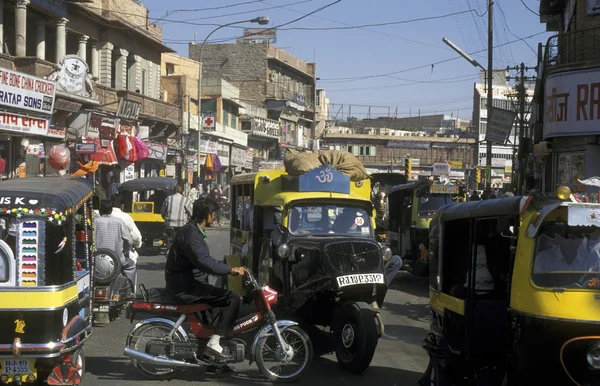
346	79
529	9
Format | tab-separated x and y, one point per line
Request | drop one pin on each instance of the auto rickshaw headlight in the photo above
284	251
563	192
387	253
593	357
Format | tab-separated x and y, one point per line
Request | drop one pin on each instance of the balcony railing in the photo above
288	95
573	48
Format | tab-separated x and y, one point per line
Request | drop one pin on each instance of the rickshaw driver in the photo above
188	267
112	233
584	258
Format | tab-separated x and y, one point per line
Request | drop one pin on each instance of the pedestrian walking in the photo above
176	210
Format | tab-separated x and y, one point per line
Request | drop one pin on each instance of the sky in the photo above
375	70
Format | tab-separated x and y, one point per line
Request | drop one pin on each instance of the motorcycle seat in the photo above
161	296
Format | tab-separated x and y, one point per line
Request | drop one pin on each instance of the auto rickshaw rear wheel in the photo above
356	336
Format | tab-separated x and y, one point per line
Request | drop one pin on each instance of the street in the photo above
399	359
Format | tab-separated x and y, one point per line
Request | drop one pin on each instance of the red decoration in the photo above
59	157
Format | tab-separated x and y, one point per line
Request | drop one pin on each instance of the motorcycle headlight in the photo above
387	253
593	357
284	251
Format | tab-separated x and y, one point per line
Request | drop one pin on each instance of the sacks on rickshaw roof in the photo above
297	163
346	163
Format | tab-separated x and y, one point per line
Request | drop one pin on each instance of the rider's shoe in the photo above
223	355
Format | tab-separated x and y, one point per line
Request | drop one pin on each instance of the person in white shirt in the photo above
568	254
117	211
194	192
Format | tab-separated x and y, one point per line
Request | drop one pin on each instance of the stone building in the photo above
104	59
566	117
270	78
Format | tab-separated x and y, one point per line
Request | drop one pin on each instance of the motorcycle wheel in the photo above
356	336
139	339
269	351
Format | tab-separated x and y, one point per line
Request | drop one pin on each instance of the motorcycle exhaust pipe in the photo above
156	361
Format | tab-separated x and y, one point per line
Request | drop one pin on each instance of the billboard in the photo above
26	92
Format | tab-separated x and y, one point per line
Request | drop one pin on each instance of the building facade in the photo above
566	114
269	78
504	97
105	68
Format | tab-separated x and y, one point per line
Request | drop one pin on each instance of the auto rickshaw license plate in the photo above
365	278
157	243
16	366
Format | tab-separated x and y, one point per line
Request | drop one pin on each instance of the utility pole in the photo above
490	96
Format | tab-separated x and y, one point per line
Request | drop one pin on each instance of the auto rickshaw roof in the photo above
284	198
408	186
43	196
149	183
483	208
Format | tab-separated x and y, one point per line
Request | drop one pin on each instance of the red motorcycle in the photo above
281	349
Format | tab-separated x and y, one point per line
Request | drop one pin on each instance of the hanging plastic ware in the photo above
209	163
122	147
141	148
59	157
216	163
132	153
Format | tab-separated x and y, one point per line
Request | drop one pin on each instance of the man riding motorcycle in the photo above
188	267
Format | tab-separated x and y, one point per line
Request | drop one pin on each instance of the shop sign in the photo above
440	169
128	109
403	144
22	124
85	148
415	161
500	163
212	147
238	156
96	122
157	151
508	169
56	132
541	149
249	158
65	105
170	170
209	121
223	153
269	34
22	91
300	99
73	77
36	150
500	125
497	173
571	104
129	172
456	164
443	189
456	174
593	7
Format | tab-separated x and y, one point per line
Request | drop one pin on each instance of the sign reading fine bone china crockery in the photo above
22	91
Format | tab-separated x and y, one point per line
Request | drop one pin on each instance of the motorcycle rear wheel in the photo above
145	369
267	349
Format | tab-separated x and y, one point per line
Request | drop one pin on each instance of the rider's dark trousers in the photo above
226	301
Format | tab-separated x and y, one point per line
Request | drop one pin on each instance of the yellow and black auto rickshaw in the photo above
143	199
410	208
46	263
311	238
515	293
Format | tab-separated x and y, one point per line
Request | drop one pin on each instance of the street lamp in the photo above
262	20
475	63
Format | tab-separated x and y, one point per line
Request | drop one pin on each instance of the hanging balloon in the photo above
59	157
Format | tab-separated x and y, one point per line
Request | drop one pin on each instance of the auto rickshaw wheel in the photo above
356	336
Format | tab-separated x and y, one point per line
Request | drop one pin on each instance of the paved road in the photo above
399	359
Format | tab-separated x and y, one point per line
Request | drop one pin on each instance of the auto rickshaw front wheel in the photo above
356	336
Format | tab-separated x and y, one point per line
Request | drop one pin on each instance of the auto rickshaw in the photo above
410	208
46	262
311	238
143	199
515	293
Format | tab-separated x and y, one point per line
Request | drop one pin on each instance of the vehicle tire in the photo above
145	369
107	266
303	352
79	362
356	336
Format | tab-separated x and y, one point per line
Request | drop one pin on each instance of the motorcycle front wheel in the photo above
271	359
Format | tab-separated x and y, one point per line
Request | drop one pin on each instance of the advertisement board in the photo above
23	124
571	100
500	125
26	92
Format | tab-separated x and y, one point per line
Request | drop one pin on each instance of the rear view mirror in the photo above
96	202
278	217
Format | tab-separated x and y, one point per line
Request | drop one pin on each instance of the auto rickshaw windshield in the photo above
327	219
567	257
430	203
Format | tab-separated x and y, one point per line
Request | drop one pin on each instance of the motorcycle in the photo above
279	342
112	290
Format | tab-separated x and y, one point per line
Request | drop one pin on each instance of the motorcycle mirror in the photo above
276	238
278	217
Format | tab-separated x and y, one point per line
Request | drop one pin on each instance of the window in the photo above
367	150
170	68
144	76
483	128
355	150
233	121
456	257
225	117
328	219
566	257
373	151
362	150
350	149
430	203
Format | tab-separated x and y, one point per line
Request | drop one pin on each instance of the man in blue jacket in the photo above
188	267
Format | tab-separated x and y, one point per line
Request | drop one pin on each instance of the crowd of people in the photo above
488	194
